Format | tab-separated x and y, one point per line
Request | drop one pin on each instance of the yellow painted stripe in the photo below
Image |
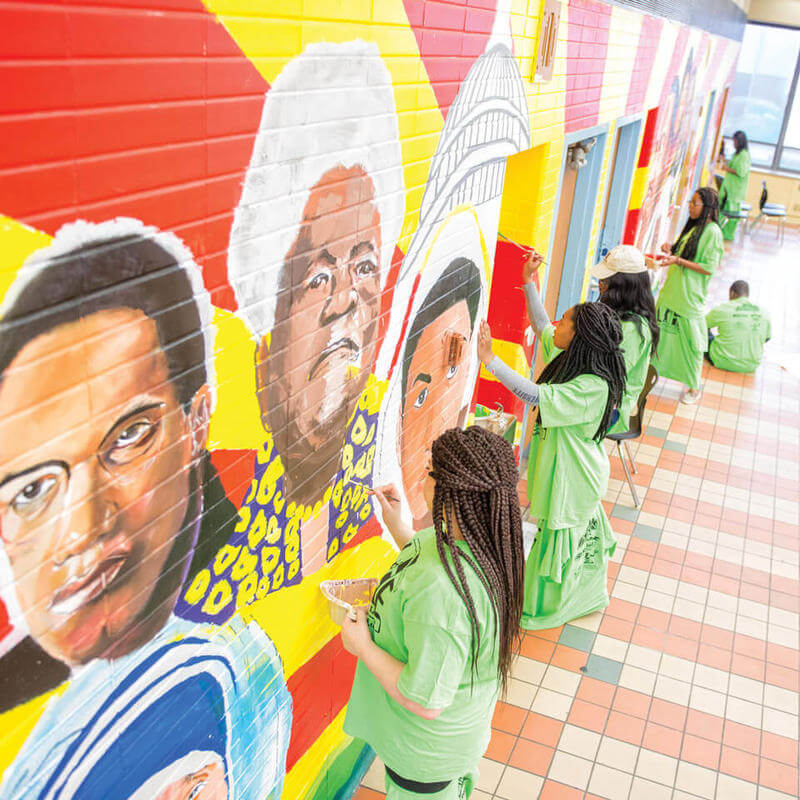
512	354
19	241
18	724
638	188
302	775
296	618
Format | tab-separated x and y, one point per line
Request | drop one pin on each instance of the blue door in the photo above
619	191
580	227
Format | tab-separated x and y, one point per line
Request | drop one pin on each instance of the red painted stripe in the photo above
136	117
631	226
320	689
490	393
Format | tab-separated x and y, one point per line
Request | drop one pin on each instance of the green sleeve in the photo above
767	328
437	659
573	403
710	248
549	350
713	318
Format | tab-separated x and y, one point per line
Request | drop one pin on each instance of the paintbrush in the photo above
522	247
387	495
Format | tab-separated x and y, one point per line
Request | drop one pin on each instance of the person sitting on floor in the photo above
742	329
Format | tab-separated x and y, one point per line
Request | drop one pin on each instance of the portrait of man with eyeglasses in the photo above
105	398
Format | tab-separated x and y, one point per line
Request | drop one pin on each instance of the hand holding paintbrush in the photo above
530	267
389	499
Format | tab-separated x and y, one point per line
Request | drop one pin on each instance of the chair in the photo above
634	430
770	211
743	215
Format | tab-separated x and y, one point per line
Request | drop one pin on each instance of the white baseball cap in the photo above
623	258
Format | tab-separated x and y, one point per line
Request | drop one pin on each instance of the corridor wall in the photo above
246	247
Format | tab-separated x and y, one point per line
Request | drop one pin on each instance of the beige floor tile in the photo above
490	774
571	770
516	784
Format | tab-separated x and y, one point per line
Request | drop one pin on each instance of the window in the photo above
762	100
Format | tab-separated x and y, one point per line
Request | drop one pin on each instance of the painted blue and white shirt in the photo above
193	696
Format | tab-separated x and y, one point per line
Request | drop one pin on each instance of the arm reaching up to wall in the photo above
525	389
536	312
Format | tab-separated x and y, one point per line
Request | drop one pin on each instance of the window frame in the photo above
778	152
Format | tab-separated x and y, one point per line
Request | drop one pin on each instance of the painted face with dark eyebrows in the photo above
95	459
433	398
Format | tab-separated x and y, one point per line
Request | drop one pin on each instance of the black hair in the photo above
740	288
740	141
710	213
461	280
476	488
594	350
631	297
124	271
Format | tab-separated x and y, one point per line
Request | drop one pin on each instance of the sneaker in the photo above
691	396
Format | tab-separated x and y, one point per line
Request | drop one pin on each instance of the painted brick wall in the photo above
238	239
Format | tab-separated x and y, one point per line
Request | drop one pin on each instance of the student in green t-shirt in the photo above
734	184
437	644
742	330
625	287
692	260
582	383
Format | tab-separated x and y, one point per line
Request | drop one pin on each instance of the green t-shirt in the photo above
417	616
636	353
734	184
685	290
743	328
567	470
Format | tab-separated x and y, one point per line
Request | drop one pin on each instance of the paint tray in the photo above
346	595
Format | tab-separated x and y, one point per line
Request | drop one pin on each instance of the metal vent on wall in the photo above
548	37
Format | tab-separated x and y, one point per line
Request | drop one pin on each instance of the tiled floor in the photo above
687	685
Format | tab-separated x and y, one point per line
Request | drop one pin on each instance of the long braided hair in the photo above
710	213
594	350
476	494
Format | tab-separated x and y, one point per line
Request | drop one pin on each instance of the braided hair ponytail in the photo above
476	494
594	350
710	213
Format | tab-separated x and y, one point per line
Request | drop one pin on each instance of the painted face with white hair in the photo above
316	362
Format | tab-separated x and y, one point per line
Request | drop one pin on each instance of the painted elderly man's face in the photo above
323	344
95	455
434	392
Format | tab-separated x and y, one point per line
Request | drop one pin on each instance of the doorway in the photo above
621	167
623	164
583	161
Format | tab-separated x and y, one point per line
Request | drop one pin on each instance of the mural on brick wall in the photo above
244	261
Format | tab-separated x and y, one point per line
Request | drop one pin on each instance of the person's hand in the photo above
389	498
668	260
356	637
485	353
651	263
531	266
666	248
